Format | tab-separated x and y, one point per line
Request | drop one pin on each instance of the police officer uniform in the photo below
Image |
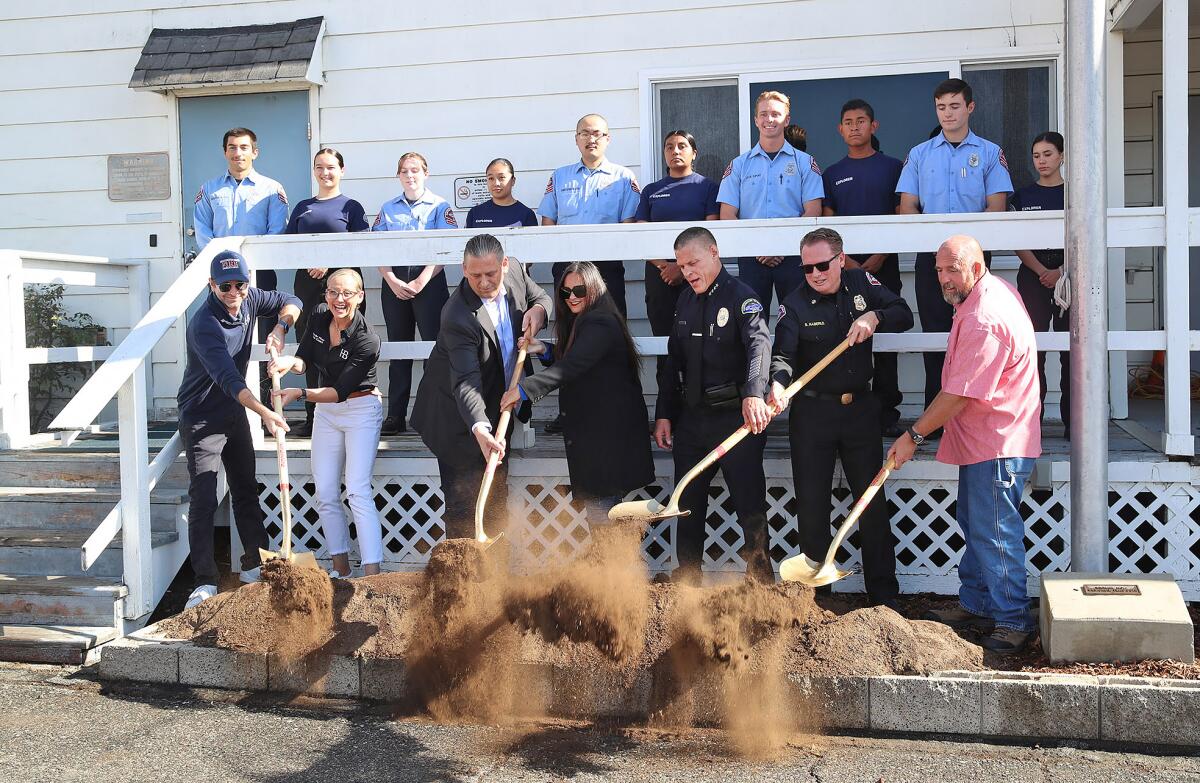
836	415
758	185
948	179
402	317
718	353
577	196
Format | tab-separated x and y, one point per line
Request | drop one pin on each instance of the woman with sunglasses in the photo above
595	367
412	296
343	350
681	196
502	210
328	212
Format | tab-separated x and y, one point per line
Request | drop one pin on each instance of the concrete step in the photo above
71	507
66	644
60	467
53	600
36	551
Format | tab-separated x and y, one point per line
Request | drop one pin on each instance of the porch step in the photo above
53	600
35	551
67	644
58	467
71	507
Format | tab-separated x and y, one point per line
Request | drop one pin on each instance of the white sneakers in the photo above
334	574
251	576
200	595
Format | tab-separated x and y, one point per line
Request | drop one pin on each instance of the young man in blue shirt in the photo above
864	183
212	423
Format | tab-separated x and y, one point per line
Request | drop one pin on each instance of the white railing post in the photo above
139	305
14	369
135	495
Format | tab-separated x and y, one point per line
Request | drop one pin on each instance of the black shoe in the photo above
393	425
302	430
960	619
1007	640
890	603
554	427
893	430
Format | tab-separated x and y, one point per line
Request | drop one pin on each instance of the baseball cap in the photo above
229	265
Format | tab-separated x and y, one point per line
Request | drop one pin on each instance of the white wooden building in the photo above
465	82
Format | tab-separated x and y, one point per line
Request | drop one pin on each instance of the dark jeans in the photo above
821	431
784	278
613	273
698	431
208	444
461	481
886	381
312	293
936	316
403	317
266	280
1039	302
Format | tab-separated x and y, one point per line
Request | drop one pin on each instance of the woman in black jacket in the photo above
595	367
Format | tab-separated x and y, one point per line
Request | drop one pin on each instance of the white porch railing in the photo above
122	373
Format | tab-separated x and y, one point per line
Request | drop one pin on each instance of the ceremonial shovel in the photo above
798	568
648	511
305	559
494	459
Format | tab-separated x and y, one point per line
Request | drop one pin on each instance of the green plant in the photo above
49	325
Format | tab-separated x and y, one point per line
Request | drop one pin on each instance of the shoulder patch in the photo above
199	194
905	163
1003	160
728	170
550	185
751	306
782	312
378	220
816	169
282	196
633	184
450	217
871	279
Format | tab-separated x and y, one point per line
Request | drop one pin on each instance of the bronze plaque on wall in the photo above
143	176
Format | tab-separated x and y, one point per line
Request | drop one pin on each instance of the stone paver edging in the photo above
983	704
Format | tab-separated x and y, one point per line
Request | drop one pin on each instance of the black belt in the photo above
844	398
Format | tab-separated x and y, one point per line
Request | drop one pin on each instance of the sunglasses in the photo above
820	266
238	284
577	291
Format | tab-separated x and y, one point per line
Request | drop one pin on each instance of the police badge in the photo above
973	161
860	304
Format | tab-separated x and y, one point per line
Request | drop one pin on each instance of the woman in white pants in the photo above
343	349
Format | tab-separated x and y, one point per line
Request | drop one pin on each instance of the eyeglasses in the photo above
820	266
577	291
238	284
331	294
591	134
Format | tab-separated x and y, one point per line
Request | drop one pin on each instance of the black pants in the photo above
699	431
821	431
266	280
208	444
936	316
613	273
1039	302
312	293
784	278
403	317
660	304
886	381
461	480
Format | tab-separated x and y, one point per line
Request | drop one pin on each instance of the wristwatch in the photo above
285	326
304	396
917	437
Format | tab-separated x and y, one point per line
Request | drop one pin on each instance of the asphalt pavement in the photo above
63	725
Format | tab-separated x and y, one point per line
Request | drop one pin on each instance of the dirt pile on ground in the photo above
301	606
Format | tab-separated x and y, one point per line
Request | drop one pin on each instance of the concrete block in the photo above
141	661
600	692
334	675
1049	706
1098	618
1162	715
383	679
832	702
946	705
213	667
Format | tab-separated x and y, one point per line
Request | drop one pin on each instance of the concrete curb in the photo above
1020	705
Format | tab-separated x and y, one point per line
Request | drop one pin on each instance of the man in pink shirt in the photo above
990	406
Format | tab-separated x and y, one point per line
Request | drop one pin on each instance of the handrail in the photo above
107	530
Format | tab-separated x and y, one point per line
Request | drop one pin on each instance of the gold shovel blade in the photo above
645	511
803	570
301	559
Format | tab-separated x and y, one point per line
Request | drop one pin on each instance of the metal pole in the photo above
1086	245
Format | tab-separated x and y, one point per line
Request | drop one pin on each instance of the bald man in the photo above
991	408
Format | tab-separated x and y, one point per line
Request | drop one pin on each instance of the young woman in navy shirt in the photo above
501	210
328	212
1041	269
681	196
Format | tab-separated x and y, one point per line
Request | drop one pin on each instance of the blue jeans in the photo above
992	570
785	278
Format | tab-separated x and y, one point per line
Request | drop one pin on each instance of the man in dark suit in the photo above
467	373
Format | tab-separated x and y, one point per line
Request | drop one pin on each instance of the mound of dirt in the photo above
302	607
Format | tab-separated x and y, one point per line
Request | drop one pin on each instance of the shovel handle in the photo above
490	472
742	431
860	507
285	489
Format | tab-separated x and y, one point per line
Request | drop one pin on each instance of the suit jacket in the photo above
464	375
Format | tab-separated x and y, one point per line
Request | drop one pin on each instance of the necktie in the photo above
504	335
694	372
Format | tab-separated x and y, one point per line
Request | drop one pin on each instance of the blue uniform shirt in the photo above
227	208
758	187
489	214
430	211
578	196
948	179
693	197
862	186
329	216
